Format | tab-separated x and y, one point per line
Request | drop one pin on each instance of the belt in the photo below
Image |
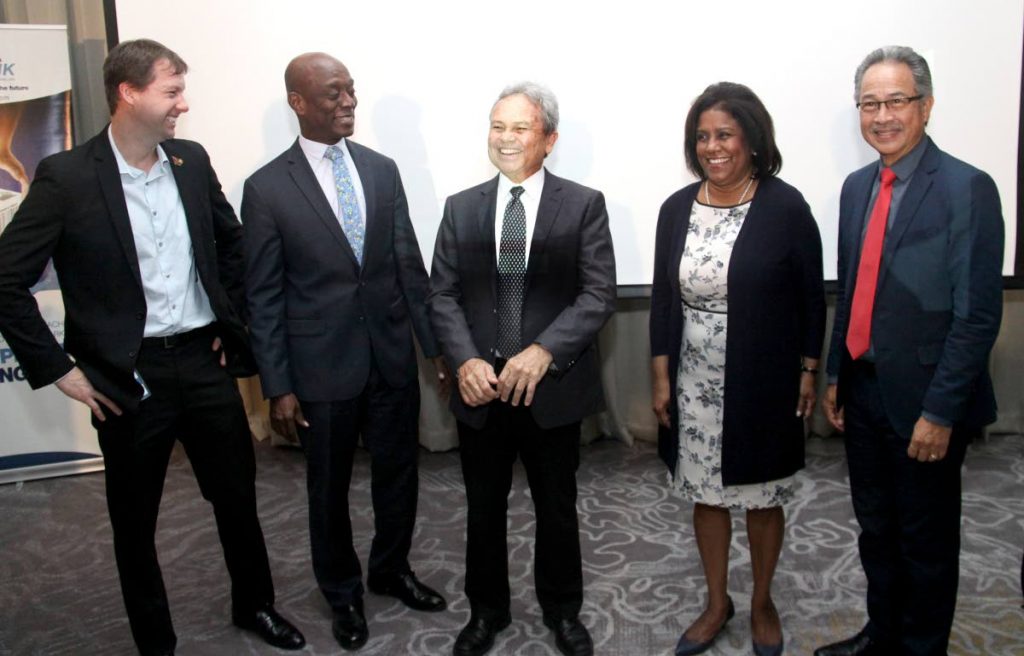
179	339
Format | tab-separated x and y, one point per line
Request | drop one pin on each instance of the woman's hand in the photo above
661	395
808	388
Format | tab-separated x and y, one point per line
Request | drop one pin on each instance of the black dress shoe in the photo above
859	645
349	626
477	638
571	637
407	588
269	625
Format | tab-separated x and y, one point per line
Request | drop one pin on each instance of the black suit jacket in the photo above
317	317
776	314
75	212
939	298
570	293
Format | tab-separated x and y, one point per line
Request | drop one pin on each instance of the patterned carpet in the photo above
59	593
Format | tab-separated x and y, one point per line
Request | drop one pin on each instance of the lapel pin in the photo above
177	161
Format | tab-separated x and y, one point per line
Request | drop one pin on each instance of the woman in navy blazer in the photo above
736	327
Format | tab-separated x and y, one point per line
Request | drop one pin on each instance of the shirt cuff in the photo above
935	419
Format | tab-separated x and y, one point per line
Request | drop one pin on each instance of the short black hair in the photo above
132	62
746	108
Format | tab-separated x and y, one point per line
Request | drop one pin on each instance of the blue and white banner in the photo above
43	433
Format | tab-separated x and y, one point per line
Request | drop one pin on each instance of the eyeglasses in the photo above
892	104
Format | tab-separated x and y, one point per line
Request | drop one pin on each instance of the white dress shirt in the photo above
323	169
532	187
175	299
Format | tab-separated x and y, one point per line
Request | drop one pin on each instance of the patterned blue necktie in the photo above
512	276
348	204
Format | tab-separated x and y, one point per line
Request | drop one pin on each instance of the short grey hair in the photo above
903	55
540	96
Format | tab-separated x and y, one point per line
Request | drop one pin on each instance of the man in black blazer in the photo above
917	312
522	280
149	257
336	287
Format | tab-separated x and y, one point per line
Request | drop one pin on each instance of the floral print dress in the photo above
700	382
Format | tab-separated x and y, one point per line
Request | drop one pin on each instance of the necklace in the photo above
707	191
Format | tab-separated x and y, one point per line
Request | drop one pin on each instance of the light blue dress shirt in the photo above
175	299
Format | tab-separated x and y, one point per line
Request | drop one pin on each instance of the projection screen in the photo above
625	74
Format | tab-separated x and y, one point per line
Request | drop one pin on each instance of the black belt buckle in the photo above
168	342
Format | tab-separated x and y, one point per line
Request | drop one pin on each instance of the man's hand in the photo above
217	346
285	413
833	412
929	442
75	385
522	374
444	378
477	382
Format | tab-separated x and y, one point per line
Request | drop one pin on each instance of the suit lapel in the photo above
858	215
373	229
551	197
189	191
919	185
302	175
485	224
113	193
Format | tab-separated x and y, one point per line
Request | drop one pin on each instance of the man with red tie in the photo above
918	306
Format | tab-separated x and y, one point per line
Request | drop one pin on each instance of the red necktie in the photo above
858	333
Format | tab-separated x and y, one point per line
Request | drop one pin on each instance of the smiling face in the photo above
323	98
722	149
893	133
156	107
516	142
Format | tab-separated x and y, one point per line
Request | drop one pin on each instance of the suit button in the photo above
492	351
131	354
140	315
361	319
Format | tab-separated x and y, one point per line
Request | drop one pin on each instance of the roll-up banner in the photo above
42	433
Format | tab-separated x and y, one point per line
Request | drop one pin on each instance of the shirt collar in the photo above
532	186
906	165
124	168
314	150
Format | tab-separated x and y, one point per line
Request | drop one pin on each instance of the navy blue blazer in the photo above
939	298
776	315
318	318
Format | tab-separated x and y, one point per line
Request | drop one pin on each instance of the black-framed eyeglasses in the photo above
892	104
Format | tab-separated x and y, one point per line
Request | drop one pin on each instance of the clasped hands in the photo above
479	385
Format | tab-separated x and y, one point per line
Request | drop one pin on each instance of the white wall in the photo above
625	74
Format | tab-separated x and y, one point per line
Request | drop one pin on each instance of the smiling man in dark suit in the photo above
523	278
149	256
336	288
918	305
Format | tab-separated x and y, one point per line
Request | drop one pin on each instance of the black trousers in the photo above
550	457
387	418
194	401
909	514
